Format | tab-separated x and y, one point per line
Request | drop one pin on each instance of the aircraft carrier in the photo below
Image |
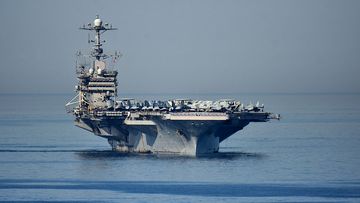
181	126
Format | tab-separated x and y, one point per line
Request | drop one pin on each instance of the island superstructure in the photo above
181	126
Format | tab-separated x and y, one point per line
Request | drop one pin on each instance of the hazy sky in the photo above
184	46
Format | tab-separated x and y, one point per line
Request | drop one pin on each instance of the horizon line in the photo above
189	93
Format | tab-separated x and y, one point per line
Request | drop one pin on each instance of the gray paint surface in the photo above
187	46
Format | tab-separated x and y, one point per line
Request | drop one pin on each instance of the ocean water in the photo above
311	155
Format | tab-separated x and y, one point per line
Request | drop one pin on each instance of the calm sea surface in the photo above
311	155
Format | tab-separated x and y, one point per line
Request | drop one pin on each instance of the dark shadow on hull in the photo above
108	154
232	155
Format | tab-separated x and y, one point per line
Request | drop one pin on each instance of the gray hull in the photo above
164	136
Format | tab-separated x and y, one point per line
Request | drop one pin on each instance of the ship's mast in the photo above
99	29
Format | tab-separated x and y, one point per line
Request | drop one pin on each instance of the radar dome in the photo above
99	71
97	22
